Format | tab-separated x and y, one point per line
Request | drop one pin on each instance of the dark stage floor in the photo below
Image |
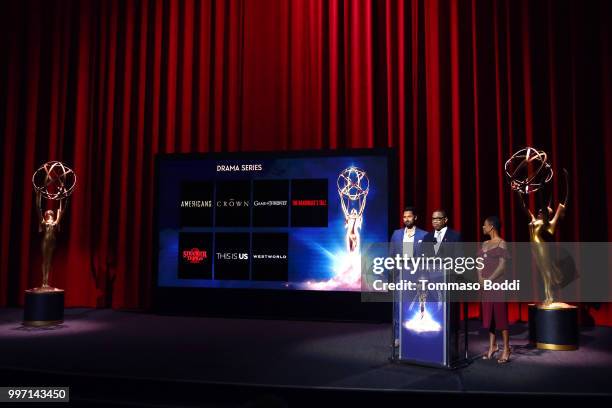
161	350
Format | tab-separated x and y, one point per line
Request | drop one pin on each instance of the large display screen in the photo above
269	221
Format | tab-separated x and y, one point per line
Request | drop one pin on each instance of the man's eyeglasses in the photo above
437	218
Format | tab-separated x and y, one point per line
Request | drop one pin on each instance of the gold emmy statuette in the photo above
53	183
552	325
528	172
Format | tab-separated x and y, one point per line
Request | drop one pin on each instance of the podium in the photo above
427	327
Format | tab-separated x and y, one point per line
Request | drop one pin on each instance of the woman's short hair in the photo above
494	221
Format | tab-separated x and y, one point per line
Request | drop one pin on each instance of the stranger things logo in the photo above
194	255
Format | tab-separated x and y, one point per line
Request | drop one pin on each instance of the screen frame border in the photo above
270	303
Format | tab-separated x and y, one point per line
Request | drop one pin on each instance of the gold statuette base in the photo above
558	347
42	323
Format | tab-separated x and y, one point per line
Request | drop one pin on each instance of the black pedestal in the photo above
557	328
531	312
43	308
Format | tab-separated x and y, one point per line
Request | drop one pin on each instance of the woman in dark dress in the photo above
494	309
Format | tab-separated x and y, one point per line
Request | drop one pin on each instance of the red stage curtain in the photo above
455	86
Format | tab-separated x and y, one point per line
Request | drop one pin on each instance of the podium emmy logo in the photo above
53	183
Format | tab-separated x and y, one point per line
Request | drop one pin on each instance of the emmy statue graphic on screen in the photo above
53	183
353	187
